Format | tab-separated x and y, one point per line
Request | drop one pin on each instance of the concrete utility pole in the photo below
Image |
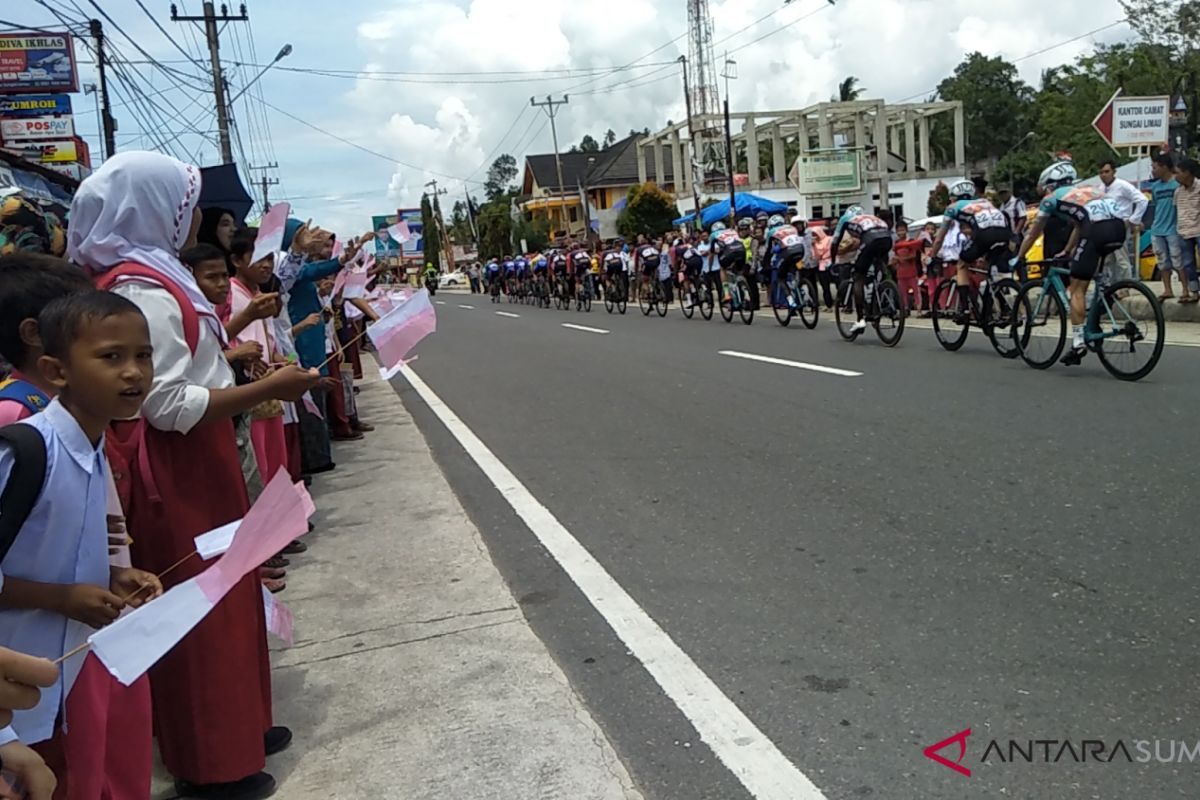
687	99
106	118
210	20
551	107
266	183
443	234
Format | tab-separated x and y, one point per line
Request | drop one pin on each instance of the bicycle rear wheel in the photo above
810	309
889	327
745	310
1041	324
844	313
951	314
660	299
1134	353
686	293
706	303
609	302
783	311
1001	326
726	305
646	300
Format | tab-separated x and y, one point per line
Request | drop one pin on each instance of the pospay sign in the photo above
35	128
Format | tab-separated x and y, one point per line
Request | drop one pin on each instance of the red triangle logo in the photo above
960	738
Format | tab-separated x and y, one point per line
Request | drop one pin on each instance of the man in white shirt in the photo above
1013	208
1131	205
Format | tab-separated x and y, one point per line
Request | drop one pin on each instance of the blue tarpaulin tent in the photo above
747	206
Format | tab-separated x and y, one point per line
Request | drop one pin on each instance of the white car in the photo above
456	278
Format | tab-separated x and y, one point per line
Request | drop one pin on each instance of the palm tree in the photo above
848	90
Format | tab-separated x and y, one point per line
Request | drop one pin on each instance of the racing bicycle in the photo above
737	297
653	297
695	293
796	297
616	293
884	309
991	309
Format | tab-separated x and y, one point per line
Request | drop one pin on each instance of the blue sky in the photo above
449	126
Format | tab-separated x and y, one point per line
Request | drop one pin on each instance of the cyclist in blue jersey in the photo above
510	275
538	268
1096	226
492	273
728	251
785	252
869	235
981	222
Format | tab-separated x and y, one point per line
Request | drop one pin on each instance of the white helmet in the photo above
854	211
717	227
1060	173
797	220
775	221
962	190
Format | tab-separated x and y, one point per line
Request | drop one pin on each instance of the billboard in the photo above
35	105
827	172
385	245
37	62
32	128
61	151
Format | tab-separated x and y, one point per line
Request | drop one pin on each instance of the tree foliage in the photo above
939	199
648	209
996	104
431	239
848	90
610	138
495	228
500	176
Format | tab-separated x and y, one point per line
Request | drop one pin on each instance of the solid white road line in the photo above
464	305
783	362
583	328
440	302
737	742
508	314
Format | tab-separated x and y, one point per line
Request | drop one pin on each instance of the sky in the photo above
436	89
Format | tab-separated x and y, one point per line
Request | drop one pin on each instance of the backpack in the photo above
24	485
25	393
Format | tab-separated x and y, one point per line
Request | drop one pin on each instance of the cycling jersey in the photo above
580	262
559	262
1081	204
649	258
510	268
691	261
729	247
522	267
539	265
613	263
858	226
493	269
980	214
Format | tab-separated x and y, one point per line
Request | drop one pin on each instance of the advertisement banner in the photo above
387	246
36	128
35	105
61	151
37	62
827	172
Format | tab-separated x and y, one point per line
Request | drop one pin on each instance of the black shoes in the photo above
277	739
255	787
295	548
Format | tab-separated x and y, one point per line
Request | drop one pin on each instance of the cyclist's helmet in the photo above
776	220
1060	173
853	211
745	223
962	190
717	227
798	220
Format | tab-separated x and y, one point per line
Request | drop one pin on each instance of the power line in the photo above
428	80
170	38
780	28
179	75
553	72
642	57
487	159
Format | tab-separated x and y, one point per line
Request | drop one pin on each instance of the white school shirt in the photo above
178	397
64	541
1130	202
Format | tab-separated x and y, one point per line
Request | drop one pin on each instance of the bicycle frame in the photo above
1097	305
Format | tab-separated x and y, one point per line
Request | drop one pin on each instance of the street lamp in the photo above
283	53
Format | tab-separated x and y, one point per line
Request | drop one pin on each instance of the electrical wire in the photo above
170	38
488	158
626	84
178	74
781	28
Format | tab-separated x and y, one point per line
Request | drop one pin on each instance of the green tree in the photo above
588	144
848	90
610	138
939	199
648	209
500	177
995	102
495	227
431	240
460	224
535	232
1173	26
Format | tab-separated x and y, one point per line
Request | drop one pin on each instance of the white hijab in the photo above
138	207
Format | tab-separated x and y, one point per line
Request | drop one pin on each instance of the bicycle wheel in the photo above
587	300
609	302
810	309
745	310
783	311
660	299
889	326
646	301
686	304
726	305
1134	352
843	312
1041	324
951	314
706	303
1001	326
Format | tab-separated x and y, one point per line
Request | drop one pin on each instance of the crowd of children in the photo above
154	384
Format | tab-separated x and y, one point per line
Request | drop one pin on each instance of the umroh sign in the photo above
1134	121
827	172
35	128
35	105
37	62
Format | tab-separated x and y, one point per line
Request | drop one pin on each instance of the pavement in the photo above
862	551
414	674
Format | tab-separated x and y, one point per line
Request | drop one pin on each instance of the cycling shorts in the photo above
1094	240
537	270
614	267
873	249
692	266
989	243
733	258
649	267
788	259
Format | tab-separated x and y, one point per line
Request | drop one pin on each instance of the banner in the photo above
34	128
827	172
35	105
388	245
36	62
61	151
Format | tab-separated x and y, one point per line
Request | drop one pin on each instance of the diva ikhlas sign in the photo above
1134	121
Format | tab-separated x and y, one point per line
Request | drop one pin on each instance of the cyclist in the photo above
510	275
1096	225
522	265
614	268
646	258
983	224
690	262
492	271
869	235
539	271
579	269
558	264
729	252
786	251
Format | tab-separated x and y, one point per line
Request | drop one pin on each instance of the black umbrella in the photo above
222	187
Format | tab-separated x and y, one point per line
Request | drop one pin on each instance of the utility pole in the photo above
443	235
106	119
687	99
266	183
728	73
551	107
210	20
471	219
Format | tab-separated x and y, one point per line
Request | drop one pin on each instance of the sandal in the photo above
1195	298
1166	296
274	586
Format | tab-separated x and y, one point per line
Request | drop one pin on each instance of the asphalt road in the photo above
866	565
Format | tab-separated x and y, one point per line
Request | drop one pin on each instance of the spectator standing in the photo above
1131	206
1013	208
1187	209
473	277
1168	246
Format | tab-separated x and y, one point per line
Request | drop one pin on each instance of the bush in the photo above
648	210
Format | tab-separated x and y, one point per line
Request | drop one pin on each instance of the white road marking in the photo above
583	328
464	305
440	302
737	742
783	362
507	314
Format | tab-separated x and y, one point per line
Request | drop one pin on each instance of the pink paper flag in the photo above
338	248
398	331
311	406
270	232
400	232
339	281
356	284
306	500
280	620
275	519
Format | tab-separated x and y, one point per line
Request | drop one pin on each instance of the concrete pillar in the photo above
677	164
685	155
754	175
910	143
779	168
659	170
960	140
860	133
641	162
880	144
923	137
894	132
824	127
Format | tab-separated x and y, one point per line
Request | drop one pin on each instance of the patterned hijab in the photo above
27	227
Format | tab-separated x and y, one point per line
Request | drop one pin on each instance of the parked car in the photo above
456	278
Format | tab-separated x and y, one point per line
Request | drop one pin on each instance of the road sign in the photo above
827	172
1134	121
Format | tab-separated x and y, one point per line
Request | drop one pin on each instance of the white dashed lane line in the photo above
583	328
508	314
783	362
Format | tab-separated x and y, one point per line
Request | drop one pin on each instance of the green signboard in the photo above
827	172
